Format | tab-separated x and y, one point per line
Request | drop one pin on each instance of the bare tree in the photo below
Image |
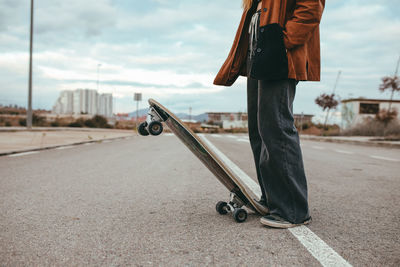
389	84
386	116
327	102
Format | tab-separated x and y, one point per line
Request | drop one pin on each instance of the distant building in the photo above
228	120
64	103
84	101
123	117
105	106
355	110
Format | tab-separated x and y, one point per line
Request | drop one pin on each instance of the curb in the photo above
55	129
57	146
353	142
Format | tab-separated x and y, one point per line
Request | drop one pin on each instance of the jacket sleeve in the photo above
234	64
306	17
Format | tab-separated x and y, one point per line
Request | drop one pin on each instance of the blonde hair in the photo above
247	4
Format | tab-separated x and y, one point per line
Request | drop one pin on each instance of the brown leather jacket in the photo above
299	21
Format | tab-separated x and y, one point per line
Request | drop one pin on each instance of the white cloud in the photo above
90	17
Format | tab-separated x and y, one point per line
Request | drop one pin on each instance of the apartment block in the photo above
84	101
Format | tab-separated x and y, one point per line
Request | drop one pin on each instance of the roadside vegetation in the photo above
386	122
95	122
374	127
16	116
320	129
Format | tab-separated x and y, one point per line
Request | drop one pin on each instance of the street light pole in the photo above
137	97
98	76
29	112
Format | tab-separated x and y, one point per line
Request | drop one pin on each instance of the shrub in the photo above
90	123
386	116
327	127
393	129
22	122
38	120
305	126
374	128
77	123
100	122
55	124
8	124
95	122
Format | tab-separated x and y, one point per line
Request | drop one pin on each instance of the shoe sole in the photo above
282	225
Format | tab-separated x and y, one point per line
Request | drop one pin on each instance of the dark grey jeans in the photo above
276	148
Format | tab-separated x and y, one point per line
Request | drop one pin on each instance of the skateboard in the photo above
243	193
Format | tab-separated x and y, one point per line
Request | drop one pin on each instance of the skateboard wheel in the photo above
240	215
142	129
155	128
221	207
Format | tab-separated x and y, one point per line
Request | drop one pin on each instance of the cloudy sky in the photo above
171	50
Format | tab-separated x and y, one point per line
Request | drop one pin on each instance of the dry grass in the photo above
374	128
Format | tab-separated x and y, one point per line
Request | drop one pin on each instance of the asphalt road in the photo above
148	201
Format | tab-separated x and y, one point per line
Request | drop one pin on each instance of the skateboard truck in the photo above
152	125
234	206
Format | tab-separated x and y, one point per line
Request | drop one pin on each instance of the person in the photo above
276	46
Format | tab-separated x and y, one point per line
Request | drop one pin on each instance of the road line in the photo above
316	246
231	136
169	134
384	158
88	144
250	183
243	140
343	151
64	147
23	154
216	135
318	147
106	141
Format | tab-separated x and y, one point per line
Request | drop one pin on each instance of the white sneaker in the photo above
277	222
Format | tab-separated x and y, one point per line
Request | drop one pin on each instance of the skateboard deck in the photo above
243	192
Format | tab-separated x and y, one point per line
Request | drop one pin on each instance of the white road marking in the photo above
316	246
64	147
243	140
23	154
106	141
230	136
318	147
384	158
344	151
216	135
88	144
250	183
169	134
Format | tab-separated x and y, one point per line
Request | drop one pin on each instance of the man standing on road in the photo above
276	46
